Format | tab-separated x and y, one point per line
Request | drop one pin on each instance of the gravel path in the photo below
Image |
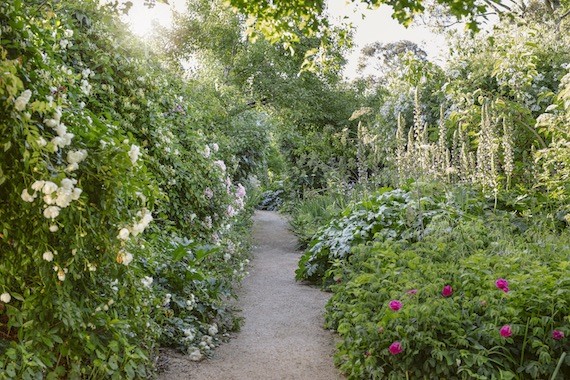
282	337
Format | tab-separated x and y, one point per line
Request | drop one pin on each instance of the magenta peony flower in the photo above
506	331
395	348
447	291
502	284
412	291
395	305
557	335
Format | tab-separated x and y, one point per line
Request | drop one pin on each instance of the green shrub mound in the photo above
385	215
477	300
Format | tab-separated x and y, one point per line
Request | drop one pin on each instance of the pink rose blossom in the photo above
502	284
557	335
447	291
395	305
506	331
395	348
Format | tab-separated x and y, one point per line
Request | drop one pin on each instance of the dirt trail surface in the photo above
282	337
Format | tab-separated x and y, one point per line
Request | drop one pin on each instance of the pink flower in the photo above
502	284
447	291
395	348
506	331
412	291
395	305
557	335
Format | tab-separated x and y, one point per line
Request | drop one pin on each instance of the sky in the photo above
377	25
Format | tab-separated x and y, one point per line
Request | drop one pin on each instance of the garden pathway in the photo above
282	337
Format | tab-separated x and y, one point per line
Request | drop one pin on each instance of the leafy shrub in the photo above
97	144
458	332
386	215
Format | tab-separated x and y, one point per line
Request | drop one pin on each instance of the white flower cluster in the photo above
55	197
22	100
147	281
124	257
134	153
63	138
137	228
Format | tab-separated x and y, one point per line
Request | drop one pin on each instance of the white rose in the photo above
123	234
134	153
5	297
48	256
49	187
26	196
22	100
76	193
38	185
53	228
213	330
51	212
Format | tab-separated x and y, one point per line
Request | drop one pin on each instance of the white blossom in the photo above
27	197
76	156
123	234
38	185
51	212
48	256
215	147
22	100
124	257
213	330
49	187
134	153
5	297
53	228
41	142
68	33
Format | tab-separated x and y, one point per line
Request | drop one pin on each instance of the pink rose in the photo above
395	348
506	331
447	291
557	335
502	284
395	305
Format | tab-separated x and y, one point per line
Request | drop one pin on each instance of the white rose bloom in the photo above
51	212
213	330
22	100
26	196
76	193
215	147
48	256
5	297
42	142
76	156
49	187
134	153
63	197
61	130
52	123
67	139
124	257
123	234
61	275
67	183
53	228
38	185
221	164
49	199
72	167
68	33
